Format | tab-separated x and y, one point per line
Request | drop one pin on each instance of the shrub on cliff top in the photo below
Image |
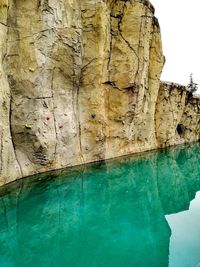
192	87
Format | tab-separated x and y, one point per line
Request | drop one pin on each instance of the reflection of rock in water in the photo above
106	215
178	178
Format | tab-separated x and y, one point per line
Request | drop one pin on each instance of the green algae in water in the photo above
129	212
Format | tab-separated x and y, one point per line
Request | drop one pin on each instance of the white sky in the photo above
180	21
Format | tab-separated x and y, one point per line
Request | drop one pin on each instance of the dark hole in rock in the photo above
93	116
180	129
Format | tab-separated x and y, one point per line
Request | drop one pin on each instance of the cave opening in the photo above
180	129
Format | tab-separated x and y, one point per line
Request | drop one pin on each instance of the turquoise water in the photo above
130	212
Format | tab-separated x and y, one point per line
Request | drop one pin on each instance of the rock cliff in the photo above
80	82
177	115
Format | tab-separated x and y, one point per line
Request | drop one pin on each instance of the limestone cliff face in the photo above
80	82
177	115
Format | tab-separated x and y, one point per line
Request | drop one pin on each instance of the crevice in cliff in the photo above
172	111
150	78
12	138
54	117
4	24
119	17
136	88
119	32
128	44
76	88
87	64
78	122
113	85
39	97
110	47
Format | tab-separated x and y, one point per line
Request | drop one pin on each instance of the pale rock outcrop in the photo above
189	126
169	110
177	115
9	167
80	82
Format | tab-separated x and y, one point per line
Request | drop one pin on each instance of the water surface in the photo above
130	212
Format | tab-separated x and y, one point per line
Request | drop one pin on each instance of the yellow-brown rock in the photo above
80	82
177	115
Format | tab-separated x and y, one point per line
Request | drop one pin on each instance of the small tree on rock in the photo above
192	87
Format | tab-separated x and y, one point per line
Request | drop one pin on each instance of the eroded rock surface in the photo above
80	82
177	115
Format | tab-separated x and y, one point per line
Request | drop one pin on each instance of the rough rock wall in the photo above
9	167
79	82
189	125
177	115
122	63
